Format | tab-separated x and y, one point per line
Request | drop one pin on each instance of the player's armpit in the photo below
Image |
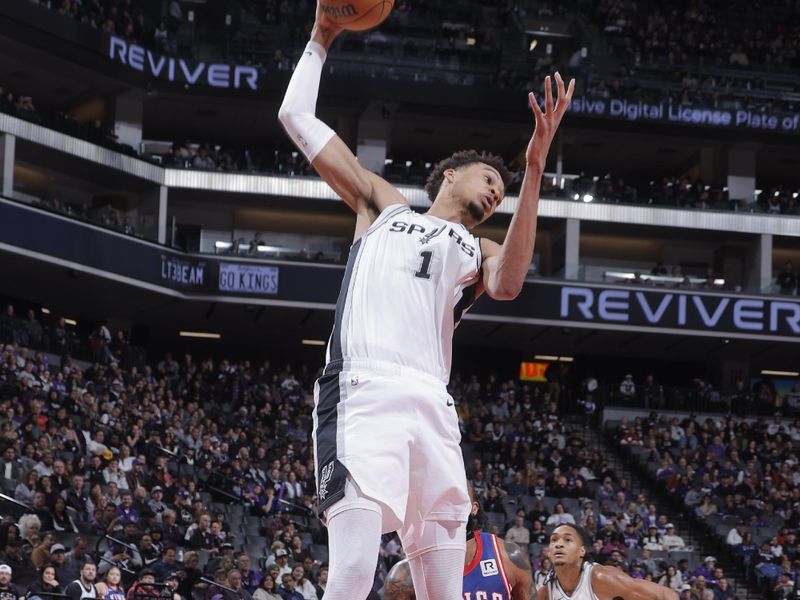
519	568
610	582
398	584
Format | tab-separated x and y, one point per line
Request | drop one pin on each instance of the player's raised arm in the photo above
610	582
505	265
362	190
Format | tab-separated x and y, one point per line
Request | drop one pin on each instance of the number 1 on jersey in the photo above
425	269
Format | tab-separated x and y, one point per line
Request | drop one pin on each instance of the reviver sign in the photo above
218	75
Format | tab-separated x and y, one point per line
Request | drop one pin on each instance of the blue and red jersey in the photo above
485	576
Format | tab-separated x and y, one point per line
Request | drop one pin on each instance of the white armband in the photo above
297	113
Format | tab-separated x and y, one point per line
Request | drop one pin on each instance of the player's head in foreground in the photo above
567	545
474	183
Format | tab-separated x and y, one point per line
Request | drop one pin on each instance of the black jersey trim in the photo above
331	474
336	336
467	298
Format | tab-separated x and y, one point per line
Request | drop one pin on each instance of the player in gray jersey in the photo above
574	578
386	436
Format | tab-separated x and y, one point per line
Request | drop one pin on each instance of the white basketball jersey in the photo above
408	280
582	592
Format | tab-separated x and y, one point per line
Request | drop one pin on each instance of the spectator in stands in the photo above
26	487
736	535
10	466
235	582
73	561
287	589
723	590
627	388
671	579
40	555
111	587
143	585
282	560
23	569
75	497
83	586
787	280
652	541
8	590
784	587
47	584
302	584
126	510
267	590
671	541
519	534
560	517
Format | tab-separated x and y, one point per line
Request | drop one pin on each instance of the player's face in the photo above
566	547
481	188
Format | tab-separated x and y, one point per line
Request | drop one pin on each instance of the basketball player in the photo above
386	437
493	569
574	578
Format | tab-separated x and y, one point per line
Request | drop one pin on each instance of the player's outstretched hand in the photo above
325	28
547	120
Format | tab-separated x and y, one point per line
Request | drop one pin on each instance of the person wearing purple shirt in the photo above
707	568
630	537
717	448
126	510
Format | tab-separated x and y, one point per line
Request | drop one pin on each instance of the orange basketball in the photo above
357	15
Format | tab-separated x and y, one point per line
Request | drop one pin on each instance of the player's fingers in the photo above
565	98
537	111
548	95
560	91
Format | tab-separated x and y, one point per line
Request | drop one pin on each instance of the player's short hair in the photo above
461	159
584	537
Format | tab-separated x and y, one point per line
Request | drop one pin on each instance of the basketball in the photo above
357	15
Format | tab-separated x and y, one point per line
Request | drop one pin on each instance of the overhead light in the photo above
780	373
534	43
265	248
794	195
566	359
588	197
45	311
719	282
222	245
201	334
576	197
545	357
314	342
72	322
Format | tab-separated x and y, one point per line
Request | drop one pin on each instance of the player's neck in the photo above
569	576
445	208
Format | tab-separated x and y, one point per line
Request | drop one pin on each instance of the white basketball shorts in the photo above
394	430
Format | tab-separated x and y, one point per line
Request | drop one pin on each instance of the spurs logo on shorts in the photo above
324	479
